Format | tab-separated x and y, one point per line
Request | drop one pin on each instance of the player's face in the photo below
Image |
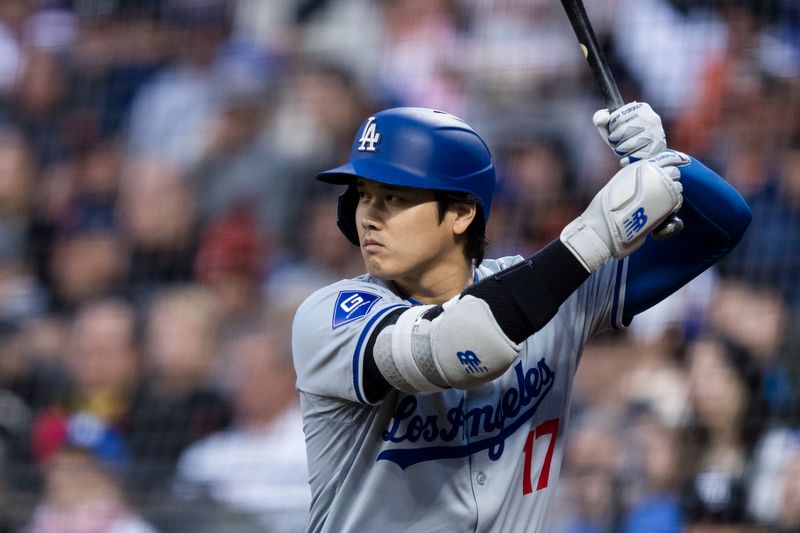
401	234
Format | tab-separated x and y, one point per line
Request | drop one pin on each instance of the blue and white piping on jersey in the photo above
428	433
357	355
618	300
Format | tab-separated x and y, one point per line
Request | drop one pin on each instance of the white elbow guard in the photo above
462	346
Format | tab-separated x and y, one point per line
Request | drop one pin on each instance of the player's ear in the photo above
464	215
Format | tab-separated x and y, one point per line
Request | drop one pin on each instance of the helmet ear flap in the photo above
346	214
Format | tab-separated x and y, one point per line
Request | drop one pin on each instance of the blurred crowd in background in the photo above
159	224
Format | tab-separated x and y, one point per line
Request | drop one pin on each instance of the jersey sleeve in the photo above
601	298
329	337
715	218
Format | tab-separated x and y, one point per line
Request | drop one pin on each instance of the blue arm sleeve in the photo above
715	217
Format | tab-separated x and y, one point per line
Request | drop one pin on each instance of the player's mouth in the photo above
371	245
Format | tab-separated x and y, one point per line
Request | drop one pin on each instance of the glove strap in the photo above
585	244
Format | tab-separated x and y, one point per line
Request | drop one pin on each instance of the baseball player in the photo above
435	388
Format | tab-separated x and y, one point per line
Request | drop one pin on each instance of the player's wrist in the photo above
588	247
616	222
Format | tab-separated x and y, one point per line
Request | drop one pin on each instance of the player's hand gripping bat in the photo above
605	80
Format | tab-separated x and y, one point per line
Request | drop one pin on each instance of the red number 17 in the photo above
549	427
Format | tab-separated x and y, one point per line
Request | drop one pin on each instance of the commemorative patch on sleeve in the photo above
351	306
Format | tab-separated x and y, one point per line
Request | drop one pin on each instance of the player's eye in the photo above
394	199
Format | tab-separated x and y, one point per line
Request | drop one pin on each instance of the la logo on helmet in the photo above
369	139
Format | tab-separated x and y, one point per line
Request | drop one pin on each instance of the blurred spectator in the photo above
658	29
774	498
318	102
120	46
17	180
98	172
10	54
102	358
15	414
537	182
654	472
738	86
32	362
269	24
656	378
258	465
88	257
757	319
172	112
82	491
522	52
240	168
157	204
100	362
589	492
328	30
39	104
768	253
320	107
605	367
727	523
728	420
419	66
231	261
175	404
788	518
21	295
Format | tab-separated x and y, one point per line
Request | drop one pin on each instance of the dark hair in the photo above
476	241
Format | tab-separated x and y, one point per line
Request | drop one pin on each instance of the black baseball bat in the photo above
598	64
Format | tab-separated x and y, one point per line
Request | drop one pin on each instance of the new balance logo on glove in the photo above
634	224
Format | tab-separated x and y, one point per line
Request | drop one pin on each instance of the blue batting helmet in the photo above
415	147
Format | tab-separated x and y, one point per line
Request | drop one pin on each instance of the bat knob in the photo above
669	228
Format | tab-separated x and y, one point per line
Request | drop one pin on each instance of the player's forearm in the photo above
526	296
715	217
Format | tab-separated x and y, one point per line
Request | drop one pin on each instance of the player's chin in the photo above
378	267
375	267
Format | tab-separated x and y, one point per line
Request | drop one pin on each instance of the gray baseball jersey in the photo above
483	459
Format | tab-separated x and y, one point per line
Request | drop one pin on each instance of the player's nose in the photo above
370	215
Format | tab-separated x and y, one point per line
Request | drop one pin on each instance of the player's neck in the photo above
439	284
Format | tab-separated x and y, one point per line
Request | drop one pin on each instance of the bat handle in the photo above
605	80
671	226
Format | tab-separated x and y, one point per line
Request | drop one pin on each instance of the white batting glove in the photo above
634	202
633	131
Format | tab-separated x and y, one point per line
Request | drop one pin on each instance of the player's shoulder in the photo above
329	332
359	292
364	283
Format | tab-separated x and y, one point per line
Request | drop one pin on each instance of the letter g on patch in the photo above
351	306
